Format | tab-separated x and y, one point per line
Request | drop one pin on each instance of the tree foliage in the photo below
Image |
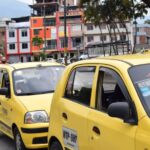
147	2
37	41
111	11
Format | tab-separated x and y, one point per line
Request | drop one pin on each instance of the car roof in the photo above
29	65
119	61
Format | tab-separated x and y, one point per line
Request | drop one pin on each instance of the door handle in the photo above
64	115
96	130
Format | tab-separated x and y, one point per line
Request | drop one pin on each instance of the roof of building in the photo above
21	19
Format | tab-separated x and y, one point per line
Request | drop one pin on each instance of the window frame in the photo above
25	44
11	34
122	86
24	33
12	46
68	78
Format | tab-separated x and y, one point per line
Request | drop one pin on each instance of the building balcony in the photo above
71	13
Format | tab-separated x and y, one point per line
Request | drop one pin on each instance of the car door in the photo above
1	75
6	105
75	107
105	132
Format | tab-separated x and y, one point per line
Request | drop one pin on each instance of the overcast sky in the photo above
18	8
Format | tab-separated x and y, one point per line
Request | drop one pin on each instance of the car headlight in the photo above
36	117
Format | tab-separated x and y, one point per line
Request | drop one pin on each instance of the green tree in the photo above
37	41
147	2
111	11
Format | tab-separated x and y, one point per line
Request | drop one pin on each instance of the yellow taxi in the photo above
26	91
102	103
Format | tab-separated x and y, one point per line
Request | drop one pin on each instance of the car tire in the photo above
55	146
19	145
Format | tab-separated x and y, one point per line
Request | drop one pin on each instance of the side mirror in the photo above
119	110
4	91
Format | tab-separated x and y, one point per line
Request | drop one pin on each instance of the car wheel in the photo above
55	146
18	140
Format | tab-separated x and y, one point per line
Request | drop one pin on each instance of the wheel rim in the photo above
18	142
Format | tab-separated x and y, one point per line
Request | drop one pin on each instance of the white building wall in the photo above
18	27
24	39
12	51
11	39
96	33
25	50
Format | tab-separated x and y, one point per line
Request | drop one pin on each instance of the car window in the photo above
1	76
140	76
5	80
38	80
109	89
79	85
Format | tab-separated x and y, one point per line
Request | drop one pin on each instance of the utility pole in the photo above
65	32
44	28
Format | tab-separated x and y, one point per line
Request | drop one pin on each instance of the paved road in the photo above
6	143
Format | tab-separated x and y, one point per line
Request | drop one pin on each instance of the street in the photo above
6	143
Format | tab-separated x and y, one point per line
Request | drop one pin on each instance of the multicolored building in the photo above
47	22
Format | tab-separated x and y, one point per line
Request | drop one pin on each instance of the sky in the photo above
18	8
14	8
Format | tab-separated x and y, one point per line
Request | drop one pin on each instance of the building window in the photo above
114	38
123	37
103	38
24	45
34	21
103	26
76	41
89	27
79	86
122	25
36	31
24	33
51	44
90	38
137	29
49	22
62	42
12	46
11	34
113	26
3	33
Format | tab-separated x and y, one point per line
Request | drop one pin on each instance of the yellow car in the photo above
25	98
102	104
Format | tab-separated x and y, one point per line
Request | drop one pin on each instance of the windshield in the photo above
37	80
141	78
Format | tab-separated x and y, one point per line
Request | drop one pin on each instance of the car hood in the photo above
37	102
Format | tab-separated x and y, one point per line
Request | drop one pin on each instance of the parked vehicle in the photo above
83	57
102	103
50	60
25	97
62	61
